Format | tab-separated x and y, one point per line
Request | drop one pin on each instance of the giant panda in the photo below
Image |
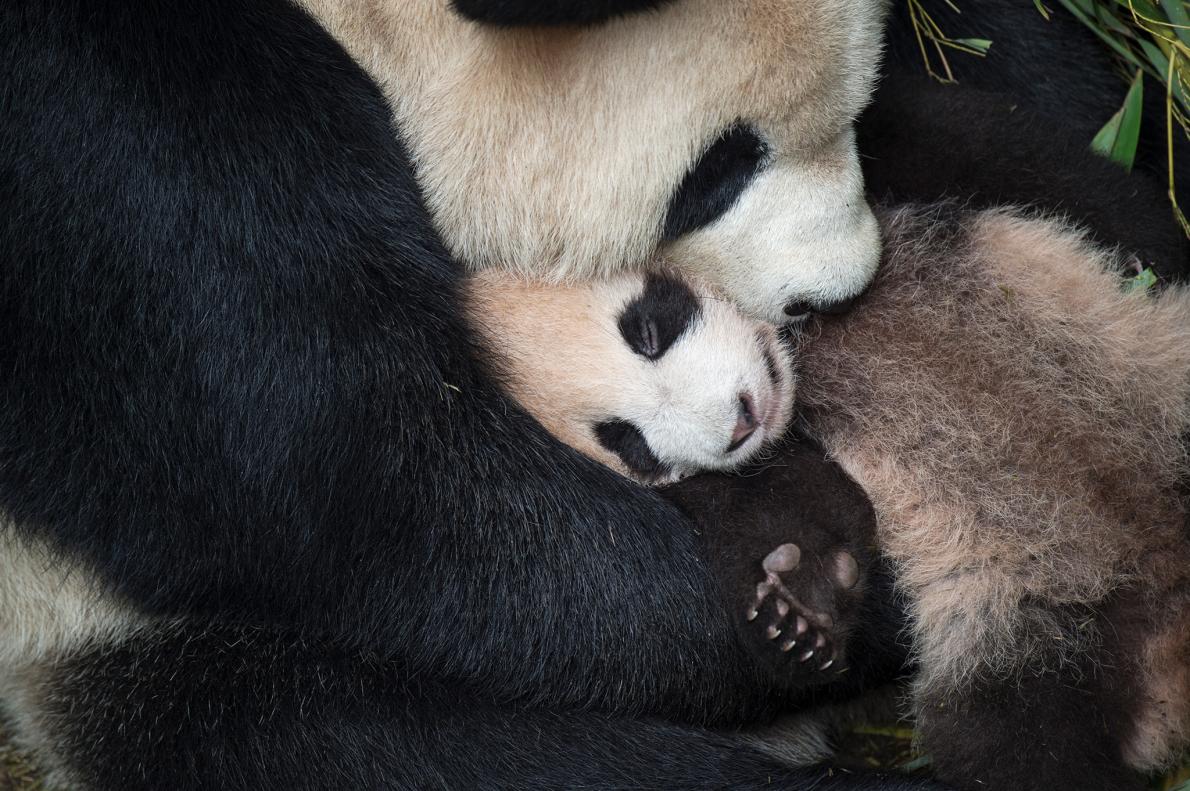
720	132
262	494
1018	419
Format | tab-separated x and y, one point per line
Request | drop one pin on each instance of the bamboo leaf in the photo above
1179	19
1142	282
980	45
920	763
1118	138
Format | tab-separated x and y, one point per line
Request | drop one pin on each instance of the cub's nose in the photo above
745	423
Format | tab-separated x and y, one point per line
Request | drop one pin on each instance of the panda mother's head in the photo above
646	373
716	132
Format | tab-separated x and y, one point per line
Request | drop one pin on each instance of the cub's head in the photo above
646	373
718	133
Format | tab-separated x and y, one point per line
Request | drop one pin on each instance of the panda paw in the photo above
795	608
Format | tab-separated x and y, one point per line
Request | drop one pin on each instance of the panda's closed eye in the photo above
715	182
655	319
626	441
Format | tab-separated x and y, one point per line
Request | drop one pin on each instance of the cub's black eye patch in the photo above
626	441
654	320
715	181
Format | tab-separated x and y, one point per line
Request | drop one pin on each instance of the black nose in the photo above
800	307
835	308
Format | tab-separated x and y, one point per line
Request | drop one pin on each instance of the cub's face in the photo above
647	373
698	385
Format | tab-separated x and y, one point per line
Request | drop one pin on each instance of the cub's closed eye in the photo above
715	182
648	339
655	319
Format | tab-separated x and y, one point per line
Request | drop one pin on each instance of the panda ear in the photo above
524	13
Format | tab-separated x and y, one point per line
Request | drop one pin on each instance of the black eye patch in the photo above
716	181
654	320
626	441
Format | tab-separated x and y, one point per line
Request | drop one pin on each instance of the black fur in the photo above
921	142
249	709
513	13
233	380
1047	729
658	317
1057	69
800	497
715	182
626	441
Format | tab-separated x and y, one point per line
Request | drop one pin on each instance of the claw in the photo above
773	632
789	646
752	614
827	664
806	655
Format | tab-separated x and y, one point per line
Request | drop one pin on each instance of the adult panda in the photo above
718	131
261	494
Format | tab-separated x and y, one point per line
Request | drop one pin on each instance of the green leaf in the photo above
1041	9
1182	787
1118	138
917	763
1178	19
1143	281
1084	17
980	45
1143	8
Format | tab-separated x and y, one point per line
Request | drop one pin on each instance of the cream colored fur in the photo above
49	608
554	153
1017	419
564	359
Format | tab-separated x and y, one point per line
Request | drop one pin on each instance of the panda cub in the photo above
658	378
648	374
1017	418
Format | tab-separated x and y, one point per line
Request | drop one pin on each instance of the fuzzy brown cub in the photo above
1017	418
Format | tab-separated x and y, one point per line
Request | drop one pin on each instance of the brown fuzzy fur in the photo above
1017	420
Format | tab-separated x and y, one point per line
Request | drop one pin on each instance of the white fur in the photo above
554	153
802	230
569	365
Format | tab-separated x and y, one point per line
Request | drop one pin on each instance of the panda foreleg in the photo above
247	709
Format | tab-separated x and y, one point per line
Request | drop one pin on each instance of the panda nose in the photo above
745	422
800	308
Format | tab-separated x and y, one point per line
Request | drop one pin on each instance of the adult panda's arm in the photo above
233	376
550	12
